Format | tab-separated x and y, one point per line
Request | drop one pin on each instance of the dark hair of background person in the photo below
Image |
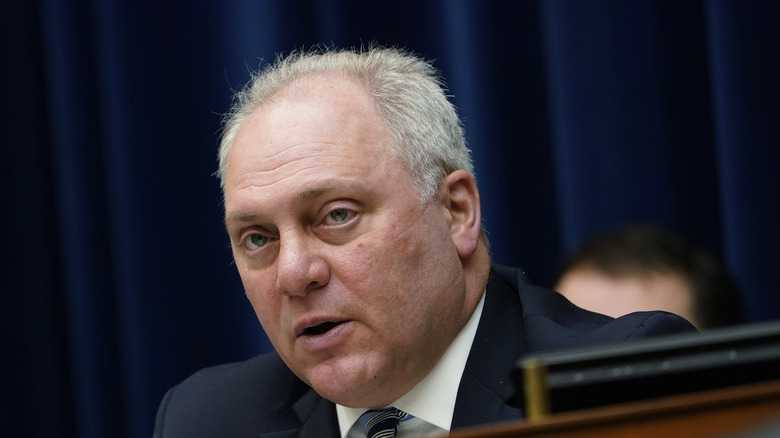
646	249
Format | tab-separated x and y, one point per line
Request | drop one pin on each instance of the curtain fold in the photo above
581	116
746	86
81	198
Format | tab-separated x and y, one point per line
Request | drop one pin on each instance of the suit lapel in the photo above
486	393
317	415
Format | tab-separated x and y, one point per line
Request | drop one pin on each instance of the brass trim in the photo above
537	394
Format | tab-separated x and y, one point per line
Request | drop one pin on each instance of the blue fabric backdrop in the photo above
116	272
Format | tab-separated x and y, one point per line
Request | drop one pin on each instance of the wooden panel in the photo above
705	414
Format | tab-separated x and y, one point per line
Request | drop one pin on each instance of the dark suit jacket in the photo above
261	397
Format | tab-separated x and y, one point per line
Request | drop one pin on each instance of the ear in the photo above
460	198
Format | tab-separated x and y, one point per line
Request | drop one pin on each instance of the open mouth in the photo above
320	328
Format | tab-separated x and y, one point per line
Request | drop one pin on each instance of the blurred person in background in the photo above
643	267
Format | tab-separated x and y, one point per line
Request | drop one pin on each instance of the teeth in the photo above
320	329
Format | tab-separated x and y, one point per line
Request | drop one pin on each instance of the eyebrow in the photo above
240	217
316	191
300	198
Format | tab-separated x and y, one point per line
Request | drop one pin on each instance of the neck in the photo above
477	271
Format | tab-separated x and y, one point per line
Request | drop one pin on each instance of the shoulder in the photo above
234	399
550	321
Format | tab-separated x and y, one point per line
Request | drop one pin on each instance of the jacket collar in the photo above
487	393
317	416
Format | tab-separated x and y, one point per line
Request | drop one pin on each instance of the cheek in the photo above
425	253
363	256
259	290
394	270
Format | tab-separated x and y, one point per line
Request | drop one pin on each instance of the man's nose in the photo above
300	266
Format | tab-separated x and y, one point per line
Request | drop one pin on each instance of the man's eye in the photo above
255	241
339	215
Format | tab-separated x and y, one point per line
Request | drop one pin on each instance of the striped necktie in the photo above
382	423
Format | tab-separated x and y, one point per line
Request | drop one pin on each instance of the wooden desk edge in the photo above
676	405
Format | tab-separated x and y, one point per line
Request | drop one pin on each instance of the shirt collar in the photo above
433	399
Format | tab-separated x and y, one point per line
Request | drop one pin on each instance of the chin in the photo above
345	385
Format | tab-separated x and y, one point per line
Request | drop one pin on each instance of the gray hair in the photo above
426	133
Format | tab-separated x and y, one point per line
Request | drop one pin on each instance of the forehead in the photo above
323	128
327	108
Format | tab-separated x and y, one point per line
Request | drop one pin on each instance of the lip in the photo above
321	341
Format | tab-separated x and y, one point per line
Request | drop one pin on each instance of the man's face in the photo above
355	281
622	294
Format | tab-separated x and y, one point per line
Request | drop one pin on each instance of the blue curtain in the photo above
582	115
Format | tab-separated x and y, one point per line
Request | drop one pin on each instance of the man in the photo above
644	267
355	225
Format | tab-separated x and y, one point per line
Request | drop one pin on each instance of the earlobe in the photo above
461	198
